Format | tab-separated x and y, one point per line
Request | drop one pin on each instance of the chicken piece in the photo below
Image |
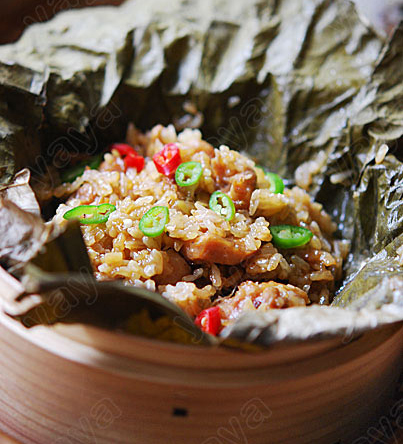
235	175
216	249
242	187
174	268
262	296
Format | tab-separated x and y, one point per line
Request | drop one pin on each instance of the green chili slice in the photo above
71	174
90	214
276	183
222	205
152	224
290	236
188	173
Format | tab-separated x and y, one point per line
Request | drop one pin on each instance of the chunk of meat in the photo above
235	175
263	296
242	187
174	268
216	249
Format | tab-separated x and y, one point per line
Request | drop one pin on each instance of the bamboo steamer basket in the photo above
75	383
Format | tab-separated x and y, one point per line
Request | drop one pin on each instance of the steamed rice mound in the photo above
202	259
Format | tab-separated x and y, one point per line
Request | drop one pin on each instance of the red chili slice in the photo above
123	148
209	320
135	161
168	159
130	156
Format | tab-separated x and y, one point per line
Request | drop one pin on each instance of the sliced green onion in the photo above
188	173
222	205
152	224
90	214
276	183
290	236
72	173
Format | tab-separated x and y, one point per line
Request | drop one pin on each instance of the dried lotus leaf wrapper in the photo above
309	80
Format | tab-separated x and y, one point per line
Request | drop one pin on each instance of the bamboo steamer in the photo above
81	384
